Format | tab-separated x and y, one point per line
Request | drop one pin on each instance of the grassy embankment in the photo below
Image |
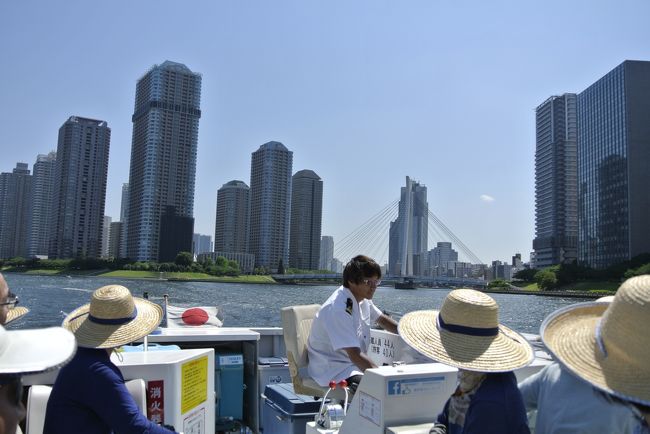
129	274
598	287
188	276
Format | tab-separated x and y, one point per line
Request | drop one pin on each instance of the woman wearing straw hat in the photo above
466	334
89	395
27	352
603	350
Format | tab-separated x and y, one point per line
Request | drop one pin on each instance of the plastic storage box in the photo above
285	412
229	386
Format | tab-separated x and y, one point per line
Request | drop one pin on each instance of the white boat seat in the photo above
296	324
138	390
36	404
38	396
422	428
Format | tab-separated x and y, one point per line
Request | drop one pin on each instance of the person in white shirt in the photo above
340	333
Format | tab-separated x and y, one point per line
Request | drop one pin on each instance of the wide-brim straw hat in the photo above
113	318
34	351
606	299
15	313
607	344
466	334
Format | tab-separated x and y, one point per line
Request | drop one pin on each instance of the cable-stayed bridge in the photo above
371	237
414	231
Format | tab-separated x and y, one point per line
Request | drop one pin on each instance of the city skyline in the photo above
385	95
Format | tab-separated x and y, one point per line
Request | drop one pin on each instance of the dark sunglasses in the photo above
14	386
11	300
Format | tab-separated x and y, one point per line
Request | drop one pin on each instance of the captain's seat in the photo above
296	324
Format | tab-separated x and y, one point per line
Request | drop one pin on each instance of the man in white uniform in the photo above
340	334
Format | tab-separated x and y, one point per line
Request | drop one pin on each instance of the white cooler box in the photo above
270	370
180	386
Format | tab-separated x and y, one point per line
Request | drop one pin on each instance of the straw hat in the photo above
466	334
35	350
15	313
607	345
113	318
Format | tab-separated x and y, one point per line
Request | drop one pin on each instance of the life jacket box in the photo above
270	370
285	412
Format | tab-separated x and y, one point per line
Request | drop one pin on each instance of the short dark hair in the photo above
359	268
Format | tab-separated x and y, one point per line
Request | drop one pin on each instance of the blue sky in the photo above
363	92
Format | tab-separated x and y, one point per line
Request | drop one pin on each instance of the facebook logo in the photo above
394	387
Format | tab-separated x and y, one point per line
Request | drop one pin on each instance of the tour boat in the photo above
217	382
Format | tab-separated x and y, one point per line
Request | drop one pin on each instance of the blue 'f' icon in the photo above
396	388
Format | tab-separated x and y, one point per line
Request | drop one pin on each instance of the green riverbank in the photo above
148	275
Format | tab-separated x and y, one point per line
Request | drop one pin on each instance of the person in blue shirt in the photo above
89	395
466	334
601	380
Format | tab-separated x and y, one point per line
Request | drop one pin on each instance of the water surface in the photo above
248	305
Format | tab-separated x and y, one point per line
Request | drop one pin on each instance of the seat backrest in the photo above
296	324
38	396
36	406
138	389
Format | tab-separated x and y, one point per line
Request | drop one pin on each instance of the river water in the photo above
248	305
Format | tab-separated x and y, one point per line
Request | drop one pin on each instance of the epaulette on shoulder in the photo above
349	305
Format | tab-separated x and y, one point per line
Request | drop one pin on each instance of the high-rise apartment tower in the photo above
80	188
15	200
556	188
306	218
38	239
271	167
231	224
163	163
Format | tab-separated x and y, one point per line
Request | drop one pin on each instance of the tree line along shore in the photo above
565	279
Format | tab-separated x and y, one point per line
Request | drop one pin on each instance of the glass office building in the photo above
613	166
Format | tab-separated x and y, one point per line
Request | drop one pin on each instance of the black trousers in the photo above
353	382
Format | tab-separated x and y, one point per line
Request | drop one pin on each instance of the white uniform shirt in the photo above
340	323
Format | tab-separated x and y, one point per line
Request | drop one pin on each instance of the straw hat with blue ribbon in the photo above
466	334
607	344
113	318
